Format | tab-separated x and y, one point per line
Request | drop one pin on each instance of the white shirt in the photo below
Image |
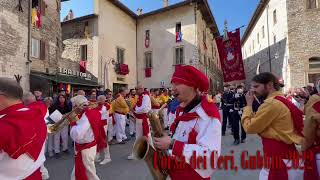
82	132
104	113
145	106
208	138
23	166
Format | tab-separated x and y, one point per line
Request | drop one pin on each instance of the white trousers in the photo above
293	174
165	117
50	143
132	125
120	127
88	156
62	134
111	129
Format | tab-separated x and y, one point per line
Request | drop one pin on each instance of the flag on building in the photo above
178	36
230	56
83	66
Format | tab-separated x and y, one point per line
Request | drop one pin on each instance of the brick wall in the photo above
14	41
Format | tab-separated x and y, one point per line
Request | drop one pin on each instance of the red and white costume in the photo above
105	117
22	142
196	128
86	134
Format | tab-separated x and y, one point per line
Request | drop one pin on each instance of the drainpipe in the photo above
29	41
137	50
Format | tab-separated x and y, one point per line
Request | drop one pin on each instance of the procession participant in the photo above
311	133
227	107
164	100
104	108
20	127
62	135
133	98
197	127
239	103
121	110
86	134
155	100
141	109
278	122
111	120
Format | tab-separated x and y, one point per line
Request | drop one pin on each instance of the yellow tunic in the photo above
133	101
311	128
155	101
120	105
164	99
272	120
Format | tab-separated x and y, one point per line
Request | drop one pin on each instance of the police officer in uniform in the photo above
239	103
227	107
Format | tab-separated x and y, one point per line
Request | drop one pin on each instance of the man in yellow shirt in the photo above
164	98
311	133
133	98
275	124
155	100
121	109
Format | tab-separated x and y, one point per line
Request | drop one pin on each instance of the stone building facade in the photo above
282	35
14	41
198	29
115	29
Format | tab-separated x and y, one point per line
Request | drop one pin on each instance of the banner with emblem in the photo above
229	48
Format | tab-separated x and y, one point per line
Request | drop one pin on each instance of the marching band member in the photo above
164	100
312	136
133	98
155	100
197	126
278	122
141	109
86	134
121	110
20	127
104	108
111	120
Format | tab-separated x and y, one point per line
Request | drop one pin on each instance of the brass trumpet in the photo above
68	118
143	150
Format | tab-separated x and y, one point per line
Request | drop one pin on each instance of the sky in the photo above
236	12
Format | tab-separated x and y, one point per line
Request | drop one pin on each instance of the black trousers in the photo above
226	116
236	128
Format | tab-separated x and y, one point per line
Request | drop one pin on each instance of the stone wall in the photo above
14	41
73	37
50	34
304	35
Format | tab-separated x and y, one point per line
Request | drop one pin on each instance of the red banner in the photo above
231	57
83	66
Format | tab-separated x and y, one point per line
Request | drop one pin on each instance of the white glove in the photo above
231	110
236	95
240	113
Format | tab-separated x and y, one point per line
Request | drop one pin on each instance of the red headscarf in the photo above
190	76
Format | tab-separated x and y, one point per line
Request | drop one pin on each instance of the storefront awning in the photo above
66	79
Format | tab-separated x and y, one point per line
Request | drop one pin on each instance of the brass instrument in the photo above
143	150
72	116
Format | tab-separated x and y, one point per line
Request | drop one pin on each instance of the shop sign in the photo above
71	72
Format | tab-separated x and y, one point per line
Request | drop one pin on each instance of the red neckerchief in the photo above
296	114
139	103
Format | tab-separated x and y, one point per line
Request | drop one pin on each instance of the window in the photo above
258	38
262	32
148	59
178	27
35	48
42	50
312	4
275	17
120	55
274	39
179	55
253	46
84	52
314	63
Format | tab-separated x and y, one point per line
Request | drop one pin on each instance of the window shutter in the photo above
42	50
